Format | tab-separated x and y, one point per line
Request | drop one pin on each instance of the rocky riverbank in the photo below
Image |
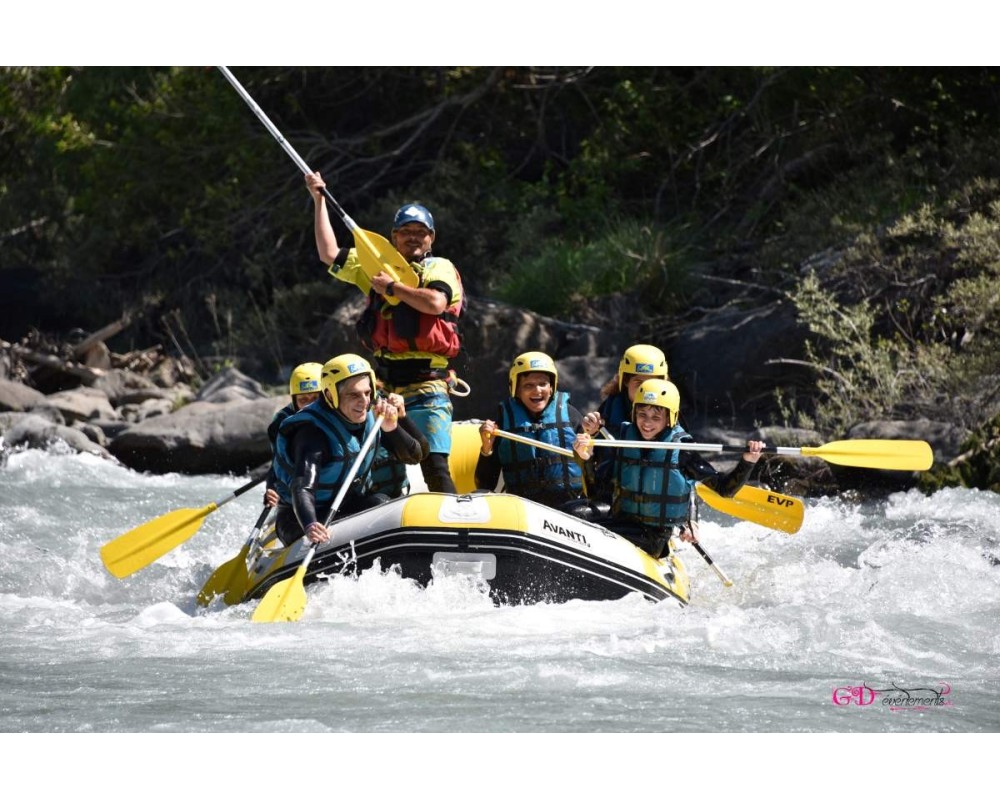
150	412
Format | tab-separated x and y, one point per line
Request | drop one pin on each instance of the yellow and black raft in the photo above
523	551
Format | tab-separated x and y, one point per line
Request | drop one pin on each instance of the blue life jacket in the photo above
388	475
615	410
648	486
279	416
532	472
344	447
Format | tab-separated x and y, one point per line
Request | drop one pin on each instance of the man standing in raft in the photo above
414	339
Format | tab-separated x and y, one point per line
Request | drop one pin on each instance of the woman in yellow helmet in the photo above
638	363
535	409
651	488
303	386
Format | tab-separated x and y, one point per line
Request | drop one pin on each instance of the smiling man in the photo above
534	409
317	445
414	339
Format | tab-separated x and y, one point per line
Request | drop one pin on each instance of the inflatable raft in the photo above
522	551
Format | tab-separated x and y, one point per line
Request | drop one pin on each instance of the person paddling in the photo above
651	488
317	445
537	410
413	340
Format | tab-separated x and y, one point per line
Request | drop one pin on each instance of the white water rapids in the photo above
903	593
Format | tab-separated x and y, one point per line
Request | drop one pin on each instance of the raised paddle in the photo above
764	507
903	454
376	253
230	579
286	600
142	545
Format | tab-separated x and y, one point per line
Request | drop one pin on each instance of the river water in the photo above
898	595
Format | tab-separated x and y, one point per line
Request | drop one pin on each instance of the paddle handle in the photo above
273	130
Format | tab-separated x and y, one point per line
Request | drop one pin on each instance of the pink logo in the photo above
894	697
858	695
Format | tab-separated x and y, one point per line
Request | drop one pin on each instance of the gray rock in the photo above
112	428
138	412
38	432
122	386
83	403
10	418
201	438
228	386
15	396
93	432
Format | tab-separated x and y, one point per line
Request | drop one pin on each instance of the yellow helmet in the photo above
660	393
305	378
532	362
642	359
340	369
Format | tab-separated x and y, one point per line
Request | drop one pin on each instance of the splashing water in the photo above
899	593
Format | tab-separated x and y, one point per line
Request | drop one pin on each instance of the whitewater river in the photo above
899	595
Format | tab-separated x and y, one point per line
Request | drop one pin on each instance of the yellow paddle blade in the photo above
904	454
378	254
142	545
465	444
229	579
285	601
770	509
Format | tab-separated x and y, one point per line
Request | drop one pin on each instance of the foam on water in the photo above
905	590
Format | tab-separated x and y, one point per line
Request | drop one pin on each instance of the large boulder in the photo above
726	365
201	437
15	396
33	430
83	403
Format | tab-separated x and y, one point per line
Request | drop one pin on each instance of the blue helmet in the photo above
413	212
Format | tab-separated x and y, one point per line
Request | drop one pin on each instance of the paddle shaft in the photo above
553	448
344	487
273	130
693	517
242	490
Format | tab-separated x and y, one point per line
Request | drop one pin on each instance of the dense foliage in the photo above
867	195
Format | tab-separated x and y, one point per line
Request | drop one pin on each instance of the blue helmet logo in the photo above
644	369
308	386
